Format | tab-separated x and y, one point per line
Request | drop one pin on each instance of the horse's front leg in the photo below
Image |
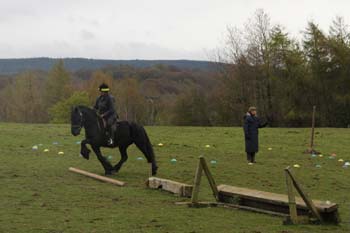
84	151
124	157
106	165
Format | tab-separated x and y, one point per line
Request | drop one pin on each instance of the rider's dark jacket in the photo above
105	106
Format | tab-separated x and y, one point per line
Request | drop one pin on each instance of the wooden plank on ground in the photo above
181	189
273	198
97	177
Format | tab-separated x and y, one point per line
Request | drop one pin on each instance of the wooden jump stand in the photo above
294	209
311	149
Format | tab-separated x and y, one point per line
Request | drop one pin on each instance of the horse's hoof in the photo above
154	171
85	156
110	172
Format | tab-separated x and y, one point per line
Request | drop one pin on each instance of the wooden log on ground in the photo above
181	189
97	177
274	202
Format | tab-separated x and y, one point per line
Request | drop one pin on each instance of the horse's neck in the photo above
91	123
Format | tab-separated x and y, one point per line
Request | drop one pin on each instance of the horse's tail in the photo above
143	142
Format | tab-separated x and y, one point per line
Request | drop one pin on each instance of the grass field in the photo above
38	194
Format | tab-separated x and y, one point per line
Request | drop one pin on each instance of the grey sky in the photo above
143	29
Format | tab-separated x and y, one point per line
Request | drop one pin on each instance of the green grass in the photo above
38	194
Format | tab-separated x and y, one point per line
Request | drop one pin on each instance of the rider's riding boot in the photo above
111	135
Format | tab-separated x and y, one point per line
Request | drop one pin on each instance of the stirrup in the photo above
110	142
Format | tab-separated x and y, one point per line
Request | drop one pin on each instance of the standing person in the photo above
105	107
251	133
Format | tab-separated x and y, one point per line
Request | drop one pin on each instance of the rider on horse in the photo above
105	108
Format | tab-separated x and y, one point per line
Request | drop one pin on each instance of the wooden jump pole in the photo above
210	178
97	177
312	129
197	182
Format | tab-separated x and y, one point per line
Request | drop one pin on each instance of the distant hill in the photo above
14	66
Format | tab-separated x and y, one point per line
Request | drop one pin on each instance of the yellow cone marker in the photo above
61	153
207	146
160	144
340	160
296	166
46	150
269	148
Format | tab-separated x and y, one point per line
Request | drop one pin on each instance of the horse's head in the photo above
77	121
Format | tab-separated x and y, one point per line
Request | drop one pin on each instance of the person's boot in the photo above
253	158
248	157
111	135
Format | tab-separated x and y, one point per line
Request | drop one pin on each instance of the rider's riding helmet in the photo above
104	88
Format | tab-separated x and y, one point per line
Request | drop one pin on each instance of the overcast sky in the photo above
143	29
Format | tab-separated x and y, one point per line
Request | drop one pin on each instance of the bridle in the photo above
79	127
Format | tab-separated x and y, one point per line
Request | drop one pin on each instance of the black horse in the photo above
126	134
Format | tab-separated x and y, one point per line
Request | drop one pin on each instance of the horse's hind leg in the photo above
106	165
124	157
146	149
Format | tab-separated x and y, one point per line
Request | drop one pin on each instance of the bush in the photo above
60	112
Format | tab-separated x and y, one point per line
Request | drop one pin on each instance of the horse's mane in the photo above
87	110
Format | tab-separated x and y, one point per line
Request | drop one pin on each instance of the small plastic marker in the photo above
35	147
318	166
296	165
207	146
78	142
61	153
250	163
109	157
139	158
46	150
160	144
341	160
269	148
347	163
213	162
320	155
173	160
313	155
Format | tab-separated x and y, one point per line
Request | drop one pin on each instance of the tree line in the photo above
260	64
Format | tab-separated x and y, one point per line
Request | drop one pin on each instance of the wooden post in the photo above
97	177
304	196
211	180
293	215
197	182
312	129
